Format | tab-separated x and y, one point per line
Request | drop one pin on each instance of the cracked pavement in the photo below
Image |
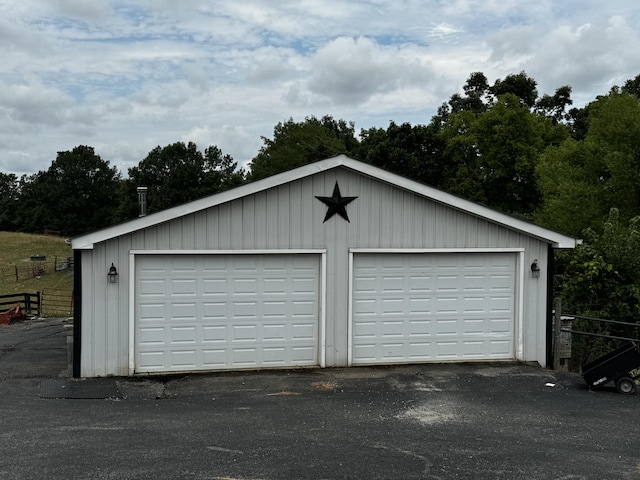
439	421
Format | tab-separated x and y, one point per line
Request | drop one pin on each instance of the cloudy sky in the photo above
125	76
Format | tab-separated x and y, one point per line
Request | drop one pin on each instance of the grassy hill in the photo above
16	250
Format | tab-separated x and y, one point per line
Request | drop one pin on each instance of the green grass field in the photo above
16	250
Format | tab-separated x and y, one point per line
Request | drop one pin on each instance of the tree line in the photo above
504	145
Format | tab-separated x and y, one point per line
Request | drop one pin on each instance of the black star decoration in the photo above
336	204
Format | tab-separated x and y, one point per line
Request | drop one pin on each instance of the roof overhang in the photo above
555	239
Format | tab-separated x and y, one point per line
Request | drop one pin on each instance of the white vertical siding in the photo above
289	217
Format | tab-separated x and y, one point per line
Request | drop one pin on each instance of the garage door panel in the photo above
214	286
274	309
303	309
183	335
500	305
151	359
185	359
392	328
473	305
184	287
183	311
152	287
214	333
419	328
433	307
258	321
152	336
275	286
245	287
244	333
214	358
244	357
446	305
303	331
214	311
419	306
274	332
474	283
304	285
244	310
498	348
273	356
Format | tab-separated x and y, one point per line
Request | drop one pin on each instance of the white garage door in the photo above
433	307
212	312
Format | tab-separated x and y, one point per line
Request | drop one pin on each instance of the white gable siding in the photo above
290	217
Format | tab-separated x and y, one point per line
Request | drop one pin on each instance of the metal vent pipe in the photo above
142	200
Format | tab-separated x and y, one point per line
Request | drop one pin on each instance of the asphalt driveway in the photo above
466	421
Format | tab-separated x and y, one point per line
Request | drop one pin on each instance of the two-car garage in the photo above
286	272
197	312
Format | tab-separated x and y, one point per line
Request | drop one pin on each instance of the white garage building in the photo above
336	263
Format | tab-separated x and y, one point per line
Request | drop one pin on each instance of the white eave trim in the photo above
557	240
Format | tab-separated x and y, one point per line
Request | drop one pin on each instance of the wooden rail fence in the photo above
37	268
30	303
51	302
57	302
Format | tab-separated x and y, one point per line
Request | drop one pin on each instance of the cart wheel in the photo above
626	385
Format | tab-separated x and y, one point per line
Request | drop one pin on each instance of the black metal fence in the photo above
588	338
632	330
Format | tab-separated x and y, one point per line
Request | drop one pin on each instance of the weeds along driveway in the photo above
498	421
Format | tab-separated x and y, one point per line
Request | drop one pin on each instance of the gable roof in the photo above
557	240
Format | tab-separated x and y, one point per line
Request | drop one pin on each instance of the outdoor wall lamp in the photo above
535	269
113	274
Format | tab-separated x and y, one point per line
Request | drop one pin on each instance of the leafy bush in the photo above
601	279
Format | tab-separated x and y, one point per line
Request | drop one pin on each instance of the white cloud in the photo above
82	10
587	56
127	75
350	71
35	103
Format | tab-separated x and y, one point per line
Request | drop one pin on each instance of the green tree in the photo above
492	155
555	107
477	96
520	85
299	143
177	174
412	151
581	180
566	179
632	86
75	195
601	279
578	118
9	201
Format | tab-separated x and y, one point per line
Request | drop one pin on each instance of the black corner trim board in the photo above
77	312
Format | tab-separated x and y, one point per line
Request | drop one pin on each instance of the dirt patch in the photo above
324	386
428	414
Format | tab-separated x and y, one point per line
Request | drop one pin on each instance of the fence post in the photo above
557	326
16	267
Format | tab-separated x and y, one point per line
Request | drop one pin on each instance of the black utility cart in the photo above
616	367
